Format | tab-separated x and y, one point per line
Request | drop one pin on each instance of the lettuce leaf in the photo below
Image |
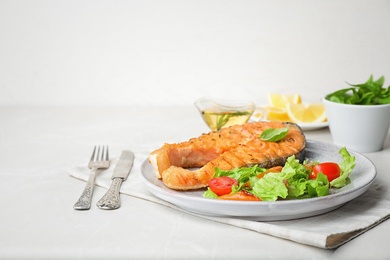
210	194
346	167
290	182
270	187
318	187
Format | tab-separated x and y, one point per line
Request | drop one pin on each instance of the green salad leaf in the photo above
270	187
242	174
346	167
371	92
210	194
318	187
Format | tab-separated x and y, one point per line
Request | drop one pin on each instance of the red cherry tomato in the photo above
330	169
222	185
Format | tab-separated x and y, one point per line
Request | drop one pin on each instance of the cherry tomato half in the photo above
330	169
222	185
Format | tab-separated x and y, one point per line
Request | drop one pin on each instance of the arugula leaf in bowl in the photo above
369	93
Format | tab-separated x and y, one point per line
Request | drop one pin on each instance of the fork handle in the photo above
111	199
84	202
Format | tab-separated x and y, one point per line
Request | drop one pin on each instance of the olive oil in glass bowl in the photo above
219	113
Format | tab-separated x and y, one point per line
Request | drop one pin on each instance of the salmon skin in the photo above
229	148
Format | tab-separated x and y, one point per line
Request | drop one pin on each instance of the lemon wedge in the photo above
281	100
306	113
276	114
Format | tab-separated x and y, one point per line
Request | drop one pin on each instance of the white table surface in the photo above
37	219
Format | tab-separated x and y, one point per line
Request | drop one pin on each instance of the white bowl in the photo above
362	128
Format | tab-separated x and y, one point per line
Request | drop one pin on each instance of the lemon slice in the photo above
277	114
281	100
306	113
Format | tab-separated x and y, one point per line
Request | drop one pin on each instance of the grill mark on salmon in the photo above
229	148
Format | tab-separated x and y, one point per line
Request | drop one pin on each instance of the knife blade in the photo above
111	200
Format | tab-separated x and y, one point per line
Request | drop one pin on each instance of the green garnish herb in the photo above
224	118
274	134
369	93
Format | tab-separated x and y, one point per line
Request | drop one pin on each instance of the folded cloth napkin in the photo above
327	231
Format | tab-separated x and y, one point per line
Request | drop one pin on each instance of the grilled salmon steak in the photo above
229	148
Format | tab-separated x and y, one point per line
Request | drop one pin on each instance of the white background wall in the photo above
173	52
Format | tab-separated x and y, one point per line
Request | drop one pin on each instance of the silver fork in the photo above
99	160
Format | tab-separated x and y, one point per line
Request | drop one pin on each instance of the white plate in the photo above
313	126
361	178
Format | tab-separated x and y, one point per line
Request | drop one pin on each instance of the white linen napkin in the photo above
327	231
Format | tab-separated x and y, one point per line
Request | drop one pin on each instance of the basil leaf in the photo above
274	134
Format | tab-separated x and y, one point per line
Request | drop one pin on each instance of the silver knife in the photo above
122	169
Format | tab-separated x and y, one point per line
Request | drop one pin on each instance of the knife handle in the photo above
111	199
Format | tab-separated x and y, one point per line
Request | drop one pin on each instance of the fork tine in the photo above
106	154
103	151
93	154
98	153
